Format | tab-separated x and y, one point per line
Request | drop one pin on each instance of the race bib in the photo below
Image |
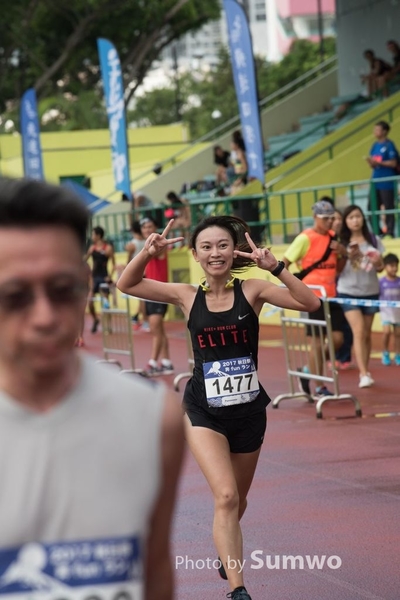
230	382
109	569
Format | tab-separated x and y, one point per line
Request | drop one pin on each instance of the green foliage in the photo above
216	93
43	42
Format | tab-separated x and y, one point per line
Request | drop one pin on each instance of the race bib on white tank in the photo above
232	381
109	569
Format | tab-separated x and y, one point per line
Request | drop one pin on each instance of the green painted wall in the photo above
88	153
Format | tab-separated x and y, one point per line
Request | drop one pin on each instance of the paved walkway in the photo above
324	490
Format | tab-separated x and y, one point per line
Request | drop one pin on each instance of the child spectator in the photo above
389	289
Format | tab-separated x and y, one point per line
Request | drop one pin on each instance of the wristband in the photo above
278	269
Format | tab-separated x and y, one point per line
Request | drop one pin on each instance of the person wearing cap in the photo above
320	256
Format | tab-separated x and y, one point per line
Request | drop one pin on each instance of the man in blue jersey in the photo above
383	159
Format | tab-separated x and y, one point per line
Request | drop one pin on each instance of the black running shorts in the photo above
337	317
244	435
155	308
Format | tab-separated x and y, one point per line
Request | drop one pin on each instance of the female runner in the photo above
225	417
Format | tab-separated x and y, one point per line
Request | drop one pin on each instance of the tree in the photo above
43	42
215	93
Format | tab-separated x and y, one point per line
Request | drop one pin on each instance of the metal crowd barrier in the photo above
117	337
297	347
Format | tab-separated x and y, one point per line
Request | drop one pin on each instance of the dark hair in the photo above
99	231
384	124
30	203
369	53
237	138
135	227
345	232
173	198
390	259
236	228
393	43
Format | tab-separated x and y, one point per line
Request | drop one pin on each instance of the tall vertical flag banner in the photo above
114	94
244	76
30	136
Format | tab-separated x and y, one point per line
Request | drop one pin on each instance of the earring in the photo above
230	283
205	286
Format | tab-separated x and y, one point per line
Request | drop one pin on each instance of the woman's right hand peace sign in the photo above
156	243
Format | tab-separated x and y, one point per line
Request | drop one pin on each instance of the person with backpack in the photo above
320	256
384	159
359	280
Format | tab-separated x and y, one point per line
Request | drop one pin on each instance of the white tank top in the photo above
78	486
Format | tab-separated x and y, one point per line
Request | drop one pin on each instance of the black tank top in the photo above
100	260
225	350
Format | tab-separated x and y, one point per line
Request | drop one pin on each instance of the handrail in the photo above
227	124
330	146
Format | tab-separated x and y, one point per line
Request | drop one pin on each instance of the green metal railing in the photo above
329	147
274	217
230	124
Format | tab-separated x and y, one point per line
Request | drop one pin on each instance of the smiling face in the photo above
43	291
214	251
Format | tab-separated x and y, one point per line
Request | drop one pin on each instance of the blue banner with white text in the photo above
30	136
246	86
114	94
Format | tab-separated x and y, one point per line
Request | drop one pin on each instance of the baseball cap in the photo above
323	208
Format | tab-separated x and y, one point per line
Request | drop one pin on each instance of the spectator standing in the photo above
383	159
99	469
359	280
101	253
389	289
140	205
179	210
343	355
319	253
133	248
156	270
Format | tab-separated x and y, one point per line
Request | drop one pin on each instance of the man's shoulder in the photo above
103	381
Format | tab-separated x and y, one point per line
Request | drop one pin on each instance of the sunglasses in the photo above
59	292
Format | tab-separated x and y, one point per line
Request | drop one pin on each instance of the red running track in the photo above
323	488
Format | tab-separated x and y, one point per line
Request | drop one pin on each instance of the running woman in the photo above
224	402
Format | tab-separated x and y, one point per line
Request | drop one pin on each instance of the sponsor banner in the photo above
114	94
244	76
30	136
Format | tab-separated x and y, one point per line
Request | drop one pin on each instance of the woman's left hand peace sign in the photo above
156	243
261	256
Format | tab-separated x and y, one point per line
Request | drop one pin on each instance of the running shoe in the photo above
166	369
322	391
304	383
386	359
344	366
221	570
240	593
397	359
151	371
365	381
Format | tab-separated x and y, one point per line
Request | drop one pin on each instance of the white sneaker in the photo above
365	381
